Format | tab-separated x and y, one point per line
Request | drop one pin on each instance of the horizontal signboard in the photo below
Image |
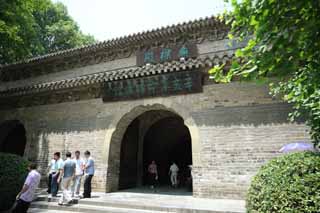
183	82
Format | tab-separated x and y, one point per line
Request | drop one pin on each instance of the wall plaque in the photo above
163	54
183	82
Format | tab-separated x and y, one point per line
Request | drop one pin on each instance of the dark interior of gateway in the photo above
165	141
12	137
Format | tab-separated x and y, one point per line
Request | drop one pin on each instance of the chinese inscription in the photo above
163	54
153	86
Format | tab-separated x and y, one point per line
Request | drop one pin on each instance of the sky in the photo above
108	19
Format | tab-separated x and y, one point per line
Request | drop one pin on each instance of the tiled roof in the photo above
134	72
143	37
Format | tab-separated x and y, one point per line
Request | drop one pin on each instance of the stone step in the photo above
37	210
44	206
154	202
82	205
107	203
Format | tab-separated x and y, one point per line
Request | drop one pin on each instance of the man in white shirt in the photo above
173	172
25	196
79	173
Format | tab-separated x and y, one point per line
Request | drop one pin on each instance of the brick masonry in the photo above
233	133
235	128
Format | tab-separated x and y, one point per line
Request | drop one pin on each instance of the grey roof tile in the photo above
134	72
202	23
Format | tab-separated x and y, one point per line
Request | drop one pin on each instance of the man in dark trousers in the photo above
52	171
58	163
89	172
153	174
25	196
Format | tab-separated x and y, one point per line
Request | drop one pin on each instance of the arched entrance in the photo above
168	140
12	137
154	133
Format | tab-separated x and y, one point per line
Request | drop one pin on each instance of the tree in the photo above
30	28
283	42
57	29
16	29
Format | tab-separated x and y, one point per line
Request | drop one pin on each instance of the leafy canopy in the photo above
35	27
283	40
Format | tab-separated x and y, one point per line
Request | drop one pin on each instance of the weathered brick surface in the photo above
235	128
236	141
238	126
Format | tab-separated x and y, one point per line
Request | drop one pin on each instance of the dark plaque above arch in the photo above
183	82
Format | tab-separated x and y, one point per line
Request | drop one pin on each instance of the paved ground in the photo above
32	210
164	198
175	201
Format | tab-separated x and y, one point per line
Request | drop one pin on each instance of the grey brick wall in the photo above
236	141
238	127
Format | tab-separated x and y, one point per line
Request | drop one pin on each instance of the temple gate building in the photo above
146	97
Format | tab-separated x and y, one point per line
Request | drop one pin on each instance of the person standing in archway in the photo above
173	172
153	174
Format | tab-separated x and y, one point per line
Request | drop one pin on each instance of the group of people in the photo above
153	174
68	175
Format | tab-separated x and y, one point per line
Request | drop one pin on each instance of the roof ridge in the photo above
148	34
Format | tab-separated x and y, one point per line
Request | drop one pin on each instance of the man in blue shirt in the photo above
66	177
89	172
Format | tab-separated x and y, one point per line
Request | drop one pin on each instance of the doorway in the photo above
12	137
157	135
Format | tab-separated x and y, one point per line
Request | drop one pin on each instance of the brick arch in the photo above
113	169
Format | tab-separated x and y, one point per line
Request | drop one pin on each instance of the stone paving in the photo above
145	201
175	201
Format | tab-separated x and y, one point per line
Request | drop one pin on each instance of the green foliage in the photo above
288	183
57	29
35	27
16	29
13	173
283	41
